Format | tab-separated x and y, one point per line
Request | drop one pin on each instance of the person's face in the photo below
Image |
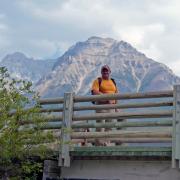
105	73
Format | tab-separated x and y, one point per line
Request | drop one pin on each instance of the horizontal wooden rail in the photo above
123	106
111	106
159	94
60	100
51	101
124	115
107	106
101	116
127	140
121	134
112	140
123	124
158	123
47	110
50	118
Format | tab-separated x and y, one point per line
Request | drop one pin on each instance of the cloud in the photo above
1	16
174	65
137	34
45	45
41	27
4	29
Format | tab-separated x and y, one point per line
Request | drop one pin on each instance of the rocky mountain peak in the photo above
93	43
22	67
81	64
100	40
76	69
14	56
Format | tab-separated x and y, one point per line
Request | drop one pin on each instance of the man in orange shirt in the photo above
104	85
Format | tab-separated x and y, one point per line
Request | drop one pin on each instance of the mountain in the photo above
76	69
22	67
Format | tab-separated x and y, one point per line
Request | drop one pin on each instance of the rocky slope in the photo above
81	64
22	67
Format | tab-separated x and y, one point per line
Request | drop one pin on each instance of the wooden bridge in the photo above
147	128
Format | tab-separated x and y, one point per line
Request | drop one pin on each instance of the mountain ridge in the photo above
22	67
76	69
81	63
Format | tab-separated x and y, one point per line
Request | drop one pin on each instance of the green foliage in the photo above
29	167
18	142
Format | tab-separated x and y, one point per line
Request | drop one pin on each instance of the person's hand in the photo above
117	110
110	101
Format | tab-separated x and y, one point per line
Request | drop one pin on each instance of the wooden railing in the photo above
150	118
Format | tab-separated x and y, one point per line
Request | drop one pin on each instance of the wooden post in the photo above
176	128
64	156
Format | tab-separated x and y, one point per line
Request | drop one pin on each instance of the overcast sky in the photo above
44	28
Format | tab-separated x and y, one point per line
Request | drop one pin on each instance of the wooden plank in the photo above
124	106
60	109
110	106
47	118
112	140
122	124
99	116
128	140
44	101
177	111
64	156
124	115
120	134
158	123
176	127
143	95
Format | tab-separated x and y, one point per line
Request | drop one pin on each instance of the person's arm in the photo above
95	88
96	92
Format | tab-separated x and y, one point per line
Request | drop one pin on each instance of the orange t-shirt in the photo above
106	87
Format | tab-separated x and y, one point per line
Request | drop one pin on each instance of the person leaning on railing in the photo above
104	85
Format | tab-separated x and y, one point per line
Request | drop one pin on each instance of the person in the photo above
104	85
